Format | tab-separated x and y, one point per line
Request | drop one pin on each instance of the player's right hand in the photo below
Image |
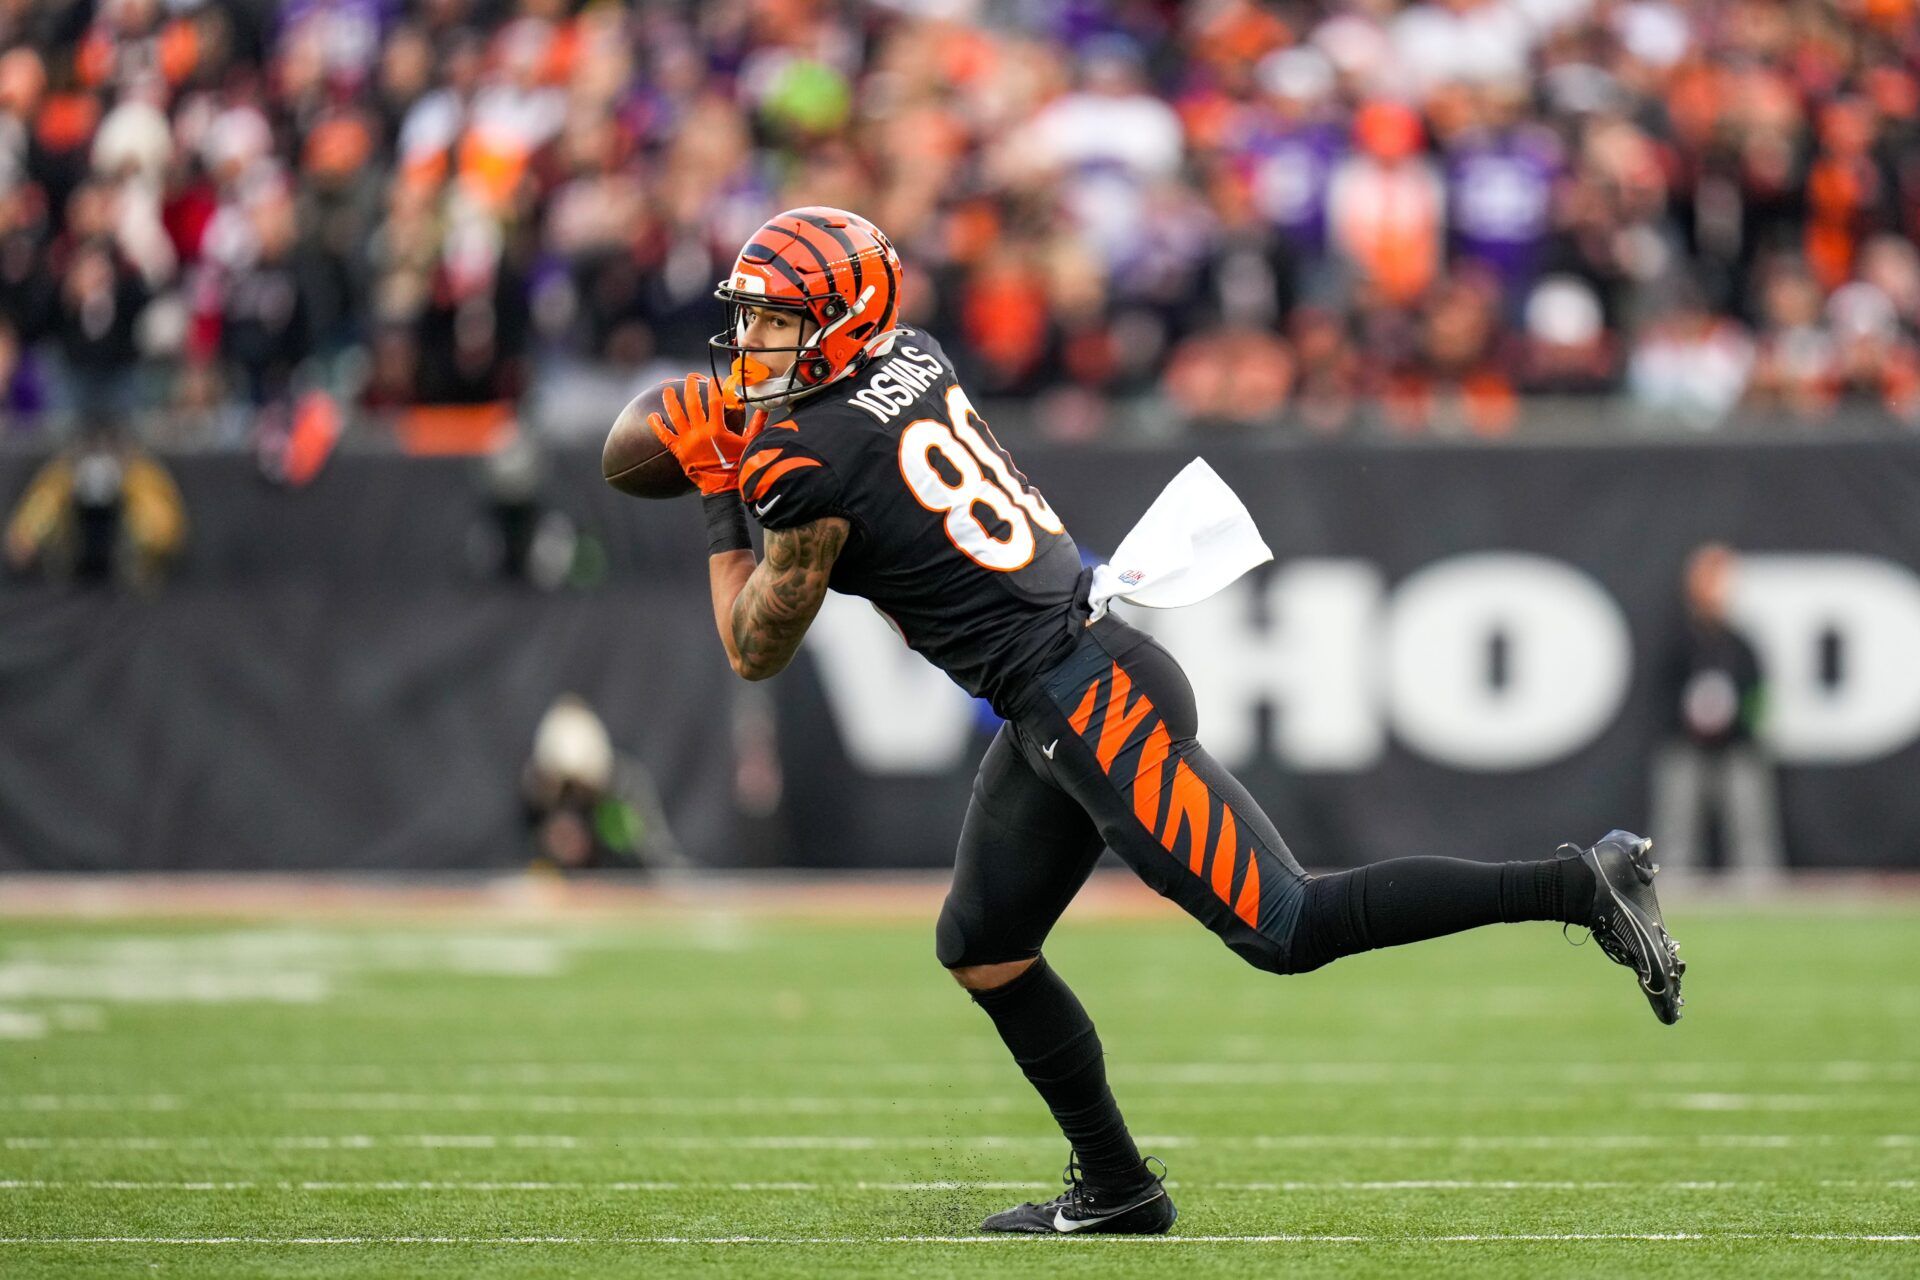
694	428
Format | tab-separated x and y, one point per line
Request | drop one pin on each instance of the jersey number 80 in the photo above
950	467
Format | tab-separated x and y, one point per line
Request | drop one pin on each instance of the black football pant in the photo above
1099	752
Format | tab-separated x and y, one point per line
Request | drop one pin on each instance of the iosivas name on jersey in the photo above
898	383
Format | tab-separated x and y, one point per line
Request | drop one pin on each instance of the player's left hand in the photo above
694	428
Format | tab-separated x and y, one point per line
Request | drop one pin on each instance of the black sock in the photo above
1386	904
1053	1040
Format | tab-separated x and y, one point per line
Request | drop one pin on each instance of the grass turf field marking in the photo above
299	1142
849	1142
1400	1184
1359	1074
544	1104
21	1024
1183	1074
824	1105
1011	1239
112	1184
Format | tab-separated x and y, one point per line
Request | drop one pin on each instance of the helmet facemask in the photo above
819	315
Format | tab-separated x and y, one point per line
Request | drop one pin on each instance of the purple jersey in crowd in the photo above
1499	200
1290	169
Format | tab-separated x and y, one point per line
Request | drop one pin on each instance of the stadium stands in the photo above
1304	219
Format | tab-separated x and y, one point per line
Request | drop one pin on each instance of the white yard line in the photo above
1357	1074
1103	1242
541	1104
826	1105
653	1187
861	1142
300	1142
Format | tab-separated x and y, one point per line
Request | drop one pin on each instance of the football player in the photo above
872	473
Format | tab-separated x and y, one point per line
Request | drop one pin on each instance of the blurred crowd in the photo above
1309	218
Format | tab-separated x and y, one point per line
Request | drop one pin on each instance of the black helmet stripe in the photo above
846	242
893	294
826	271
793	277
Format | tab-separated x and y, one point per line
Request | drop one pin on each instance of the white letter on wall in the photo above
1567	659
1788	606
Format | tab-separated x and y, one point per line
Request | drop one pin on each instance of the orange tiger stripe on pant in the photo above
1190	809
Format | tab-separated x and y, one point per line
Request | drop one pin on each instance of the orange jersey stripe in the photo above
1224	856
1190	801
1120	719
1248	907
1083	715
774	472
1146	782
757	461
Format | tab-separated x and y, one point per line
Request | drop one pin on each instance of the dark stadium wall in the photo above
327	683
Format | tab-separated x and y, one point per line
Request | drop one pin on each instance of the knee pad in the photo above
950	938
959	942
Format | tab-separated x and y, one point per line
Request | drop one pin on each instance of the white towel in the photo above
1195	539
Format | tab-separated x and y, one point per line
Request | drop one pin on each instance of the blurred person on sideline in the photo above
1877	366
1386	206
1501	169
1290	152
1853	353
1794	356
1108	141
521	536
1691	365
1327	396
1230	377
1455	379
99	512
1565	347
1714	770
587	807
95	314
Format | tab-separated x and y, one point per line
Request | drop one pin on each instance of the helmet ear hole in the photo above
861	330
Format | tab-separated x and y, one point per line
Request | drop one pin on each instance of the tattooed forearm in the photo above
780	599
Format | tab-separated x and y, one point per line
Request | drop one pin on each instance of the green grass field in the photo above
726	1094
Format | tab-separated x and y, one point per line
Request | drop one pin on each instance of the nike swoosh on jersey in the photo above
767	506
1047	750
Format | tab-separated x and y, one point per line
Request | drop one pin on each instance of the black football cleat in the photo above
1083	1208
1626	918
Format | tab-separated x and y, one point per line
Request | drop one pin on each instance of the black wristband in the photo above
726	523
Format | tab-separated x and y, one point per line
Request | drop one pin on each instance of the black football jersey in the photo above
947	538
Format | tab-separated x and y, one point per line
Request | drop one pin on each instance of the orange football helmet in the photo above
843	277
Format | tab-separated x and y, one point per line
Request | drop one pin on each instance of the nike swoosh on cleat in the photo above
1062	1223
767	506
1047	750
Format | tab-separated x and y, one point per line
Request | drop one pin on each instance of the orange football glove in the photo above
695	430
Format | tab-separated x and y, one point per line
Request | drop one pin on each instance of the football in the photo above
634	459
